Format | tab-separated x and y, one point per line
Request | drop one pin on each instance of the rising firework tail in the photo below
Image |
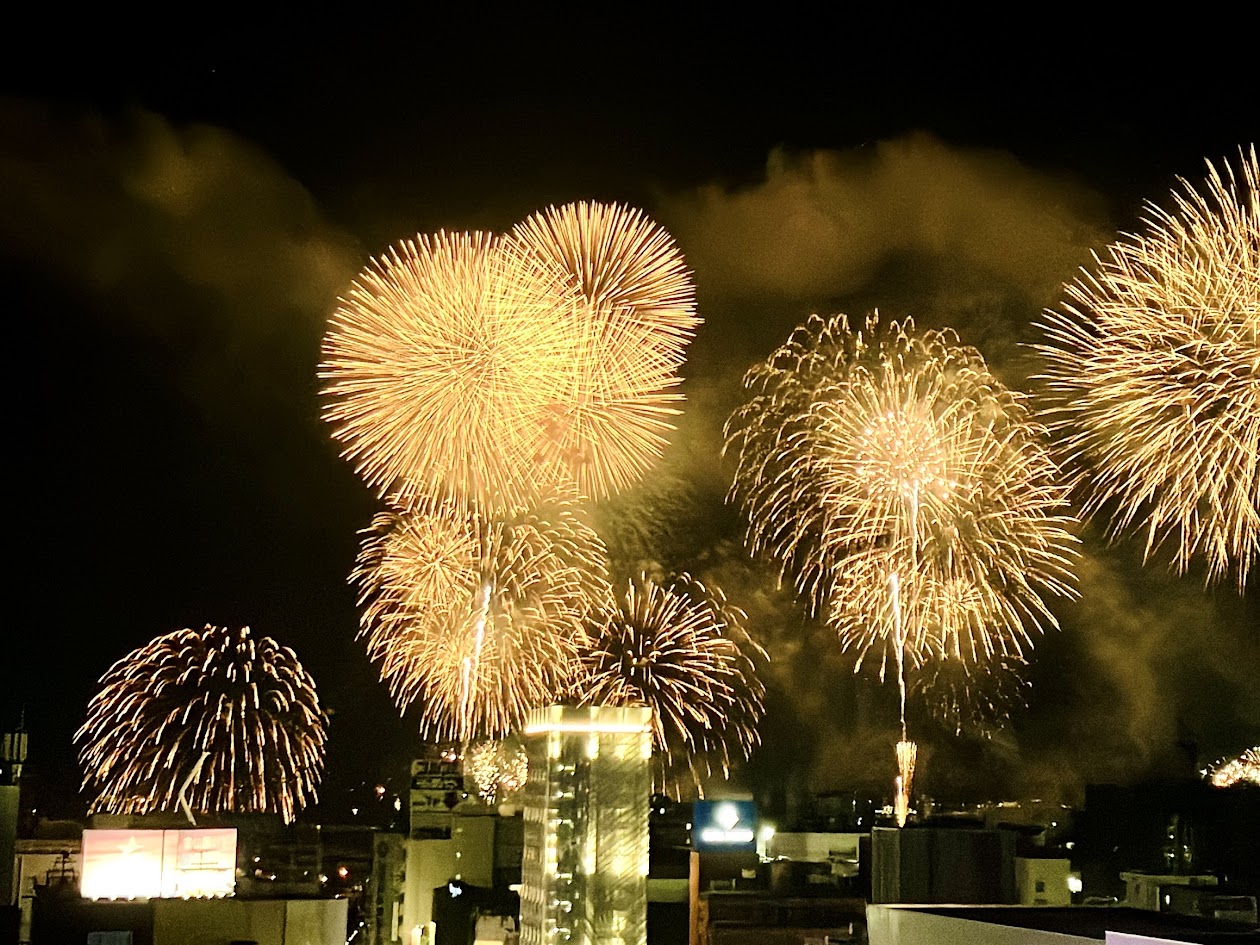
231	719
1152	377
478	619
680	648
907	756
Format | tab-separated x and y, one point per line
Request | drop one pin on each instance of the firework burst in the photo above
905	491
442	365
493	370
1245	769
969	699
1153	377
478	619
636	315
680	649
232	720
498	769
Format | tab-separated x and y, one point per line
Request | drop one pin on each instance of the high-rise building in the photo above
585	863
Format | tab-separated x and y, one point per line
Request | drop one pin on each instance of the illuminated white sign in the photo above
121	864
154	864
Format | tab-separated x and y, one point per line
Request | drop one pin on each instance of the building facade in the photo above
585	861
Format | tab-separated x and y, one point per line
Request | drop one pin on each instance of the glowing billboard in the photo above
158	864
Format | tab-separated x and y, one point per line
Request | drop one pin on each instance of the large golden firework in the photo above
478	619
610	421
904	490
681	649
442	367
491	370
231	721
908	495
1153	376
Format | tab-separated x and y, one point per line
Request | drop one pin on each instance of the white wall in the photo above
430	863
266	921
901	925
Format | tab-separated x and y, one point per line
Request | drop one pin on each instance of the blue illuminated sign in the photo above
724	825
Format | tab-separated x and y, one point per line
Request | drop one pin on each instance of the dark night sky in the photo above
179	212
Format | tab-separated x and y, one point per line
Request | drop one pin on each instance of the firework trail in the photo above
906	493
478	619
907	755
1153	377
681	649
235	717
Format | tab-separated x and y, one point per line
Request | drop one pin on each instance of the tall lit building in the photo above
585	864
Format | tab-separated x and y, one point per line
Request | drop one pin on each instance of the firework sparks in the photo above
498	769
1153	377
232	721
680	649
492	370
441	365
907	493
905	490
907	754
637	314
971	699
1245	769
478	619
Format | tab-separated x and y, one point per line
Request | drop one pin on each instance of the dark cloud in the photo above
824	223
172	283
133	206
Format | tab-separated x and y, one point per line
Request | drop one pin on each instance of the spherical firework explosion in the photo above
1245	769
619	261
492	370
637	314
1153	376
905	490
681	650
498	769
232	721
442	366
478	619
